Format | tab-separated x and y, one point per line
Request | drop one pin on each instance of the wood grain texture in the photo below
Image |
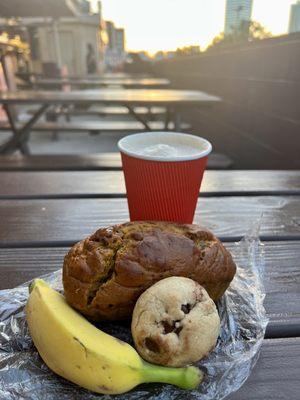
111	183
276	374
118	110
100	82
97	126
58	222
105	161
282	278
84	162
112	96
282	285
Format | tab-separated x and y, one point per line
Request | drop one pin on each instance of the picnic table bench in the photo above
174	100
127	126
43	213
103	111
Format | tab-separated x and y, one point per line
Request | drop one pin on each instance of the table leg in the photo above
177	121
20	137
24	148
138	117
168	118
13	127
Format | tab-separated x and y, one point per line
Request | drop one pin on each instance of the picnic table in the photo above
43	213
26	76
47	83
174	100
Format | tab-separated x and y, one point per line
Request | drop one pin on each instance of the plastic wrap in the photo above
23	374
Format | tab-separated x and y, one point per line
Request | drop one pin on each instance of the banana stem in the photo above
185	378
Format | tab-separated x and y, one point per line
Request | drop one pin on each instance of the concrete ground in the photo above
68	142
86	143
73	143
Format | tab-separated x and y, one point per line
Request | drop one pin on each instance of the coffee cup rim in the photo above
130	139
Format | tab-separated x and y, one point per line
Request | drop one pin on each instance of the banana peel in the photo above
76	350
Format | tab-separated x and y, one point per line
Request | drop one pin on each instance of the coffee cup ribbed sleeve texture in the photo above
162	191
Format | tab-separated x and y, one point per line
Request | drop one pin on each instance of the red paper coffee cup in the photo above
163	188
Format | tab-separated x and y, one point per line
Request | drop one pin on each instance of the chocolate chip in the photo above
186	308
178	330
152	345
174	327
168	328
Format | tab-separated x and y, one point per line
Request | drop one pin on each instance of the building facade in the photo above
120	40
110	29
294	24
115	54
76	45
237	12
65	43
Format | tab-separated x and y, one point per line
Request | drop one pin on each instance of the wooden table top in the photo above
105	81
111	96
43	213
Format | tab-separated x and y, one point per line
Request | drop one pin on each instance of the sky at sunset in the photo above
168	24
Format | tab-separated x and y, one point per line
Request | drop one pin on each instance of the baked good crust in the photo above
104	274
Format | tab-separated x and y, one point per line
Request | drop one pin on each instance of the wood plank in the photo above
117	110
107	126
58	222
103	161
104	81
282	278
112	96
276	374
112	110
111	184
151	83
18	266
84	162
282	284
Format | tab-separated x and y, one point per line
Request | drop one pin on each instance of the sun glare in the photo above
168	24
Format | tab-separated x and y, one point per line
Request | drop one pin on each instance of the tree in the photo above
247	31
251	30
187	51
220	38
258	31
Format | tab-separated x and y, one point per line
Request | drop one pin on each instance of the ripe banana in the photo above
76	350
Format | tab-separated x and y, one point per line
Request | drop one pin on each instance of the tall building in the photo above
237	12
120	39
294	24
115	51
110	29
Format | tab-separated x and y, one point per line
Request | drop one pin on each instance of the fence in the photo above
258	122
